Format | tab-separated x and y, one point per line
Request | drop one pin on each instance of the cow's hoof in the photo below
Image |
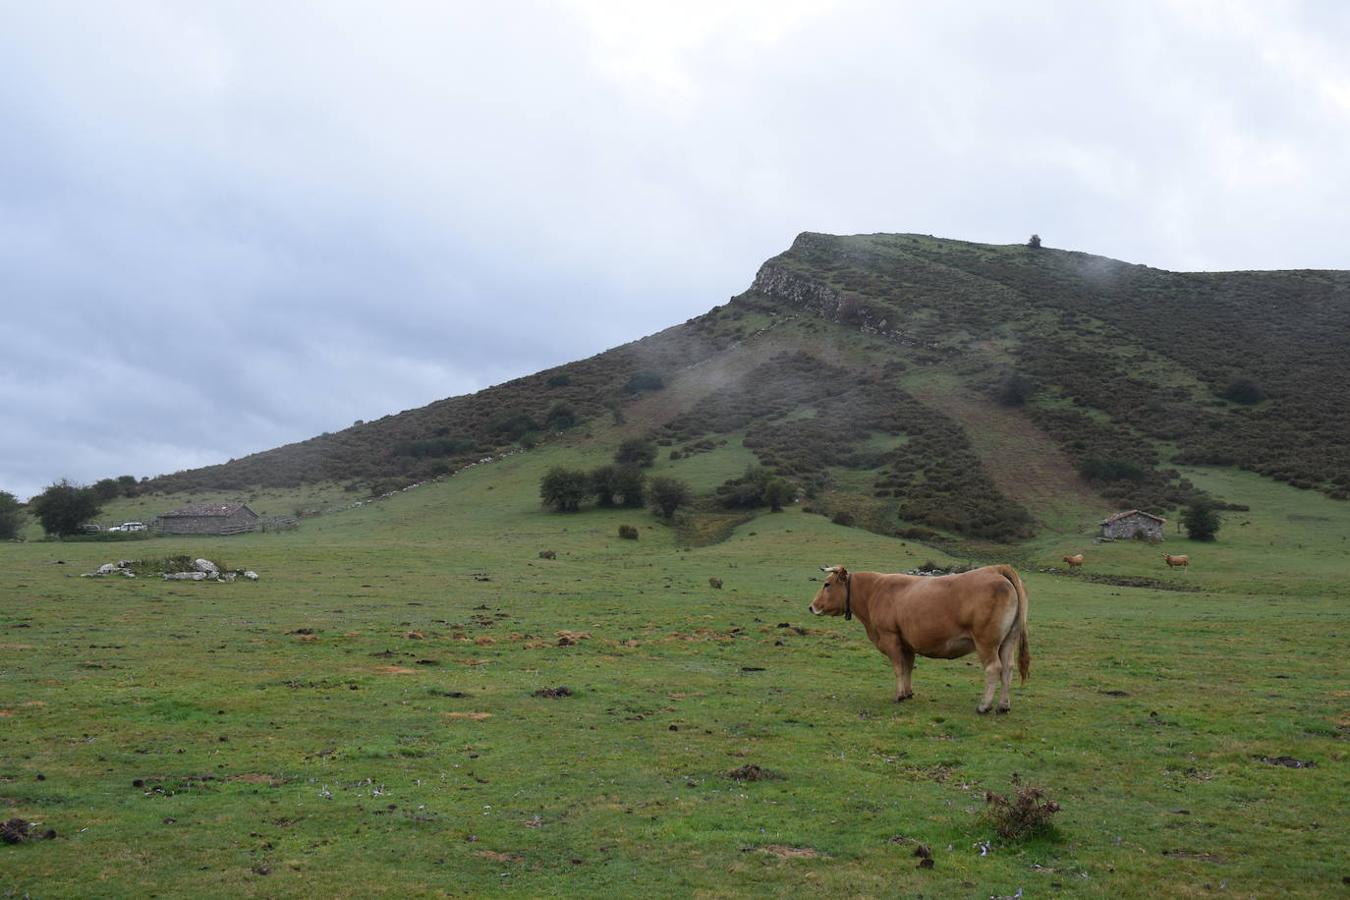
903	697
1004	709
983	710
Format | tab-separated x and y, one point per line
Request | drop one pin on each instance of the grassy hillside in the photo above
918	385
363	721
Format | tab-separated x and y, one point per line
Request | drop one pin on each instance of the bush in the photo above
1244	391
1015	390
842	517
628	532
513	426
667	495
561	380
11	516
564	489
636	452
759	486
603	484
644	381
561	416
1097	469
436	446
630	486
1201	521
63	507
1034	242
1027	814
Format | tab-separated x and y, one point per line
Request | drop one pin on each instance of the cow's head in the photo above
833	597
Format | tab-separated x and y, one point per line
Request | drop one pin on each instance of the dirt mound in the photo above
559	691
753	772
17	831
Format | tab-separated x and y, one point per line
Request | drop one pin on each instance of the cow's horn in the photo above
828	568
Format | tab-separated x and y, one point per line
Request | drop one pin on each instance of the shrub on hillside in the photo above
628	532
1097	469
512	426
644	381
630	486
1015	390
560	380
564	489
63	507
636	452
759	486
668	495
1201	521
561	416
1244	391
603	484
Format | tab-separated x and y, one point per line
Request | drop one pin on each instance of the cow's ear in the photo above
841	572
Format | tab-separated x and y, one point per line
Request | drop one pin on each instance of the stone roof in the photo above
212	510
1132	512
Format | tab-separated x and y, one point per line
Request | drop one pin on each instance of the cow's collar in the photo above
848	596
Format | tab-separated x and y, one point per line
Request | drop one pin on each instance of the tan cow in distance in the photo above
942	617
1074	561
1173	562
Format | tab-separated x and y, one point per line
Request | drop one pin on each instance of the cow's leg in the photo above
905	689
889	644
993	670
1005	659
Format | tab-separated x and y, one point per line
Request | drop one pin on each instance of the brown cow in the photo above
1074	561
1183	561
942	617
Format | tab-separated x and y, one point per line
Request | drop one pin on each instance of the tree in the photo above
630	484
106	489
1202	521
11	516
776	493
63	507
1034	242
667	495
604	484
128	485
564	489
636	452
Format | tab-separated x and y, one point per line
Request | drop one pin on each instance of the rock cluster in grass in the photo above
121	567
201	570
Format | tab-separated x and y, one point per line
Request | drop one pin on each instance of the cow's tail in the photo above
1023	647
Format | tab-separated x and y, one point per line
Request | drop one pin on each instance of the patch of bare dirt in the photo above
1196	855
569	638
396	670
782	851
499	857
475	716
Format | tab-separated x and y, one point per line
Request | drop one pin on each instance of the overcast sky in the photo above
227	226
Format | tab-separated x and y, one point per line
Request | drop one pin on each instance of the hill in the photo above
918	385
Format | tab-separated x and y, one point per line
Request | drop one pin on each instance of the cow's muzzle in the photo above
812	609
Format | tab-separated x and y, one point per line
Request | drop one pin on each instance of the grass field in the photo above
362	720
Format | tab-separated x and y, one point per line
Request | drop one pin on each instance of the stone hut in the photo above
1133	523
208	518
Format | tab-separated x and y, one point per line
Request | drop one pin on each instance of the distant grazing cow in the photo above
1173	562
941	617
1074	561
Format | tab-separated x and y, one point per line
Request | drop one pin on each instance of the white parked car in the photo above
133	526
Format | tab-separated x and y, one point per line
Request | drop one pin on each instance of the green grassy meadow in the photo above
362	720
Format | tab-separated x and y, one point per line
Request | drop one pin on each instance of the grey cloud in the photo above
226	226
